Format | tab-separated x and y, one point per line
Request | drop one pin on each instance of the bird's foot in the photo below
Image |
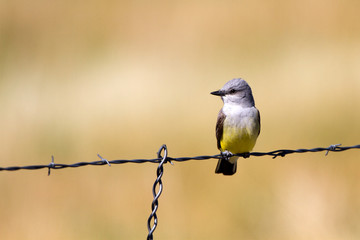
245	155
226	155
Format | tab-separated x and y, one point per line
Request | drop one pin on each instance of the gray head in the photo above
236	91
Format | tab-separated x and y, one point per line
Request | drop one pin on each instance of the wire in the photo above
103	161
156	194
161	160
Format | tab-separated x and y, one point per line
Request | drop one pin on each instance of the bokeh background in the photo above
121	78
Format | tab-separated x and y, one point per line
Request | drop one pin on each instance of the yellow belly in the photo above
238	140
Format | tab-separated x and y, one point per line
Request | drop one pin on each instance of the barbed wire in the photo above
161	160
103	161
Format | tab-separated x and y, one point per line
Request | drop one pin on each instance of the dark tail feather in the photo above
225	167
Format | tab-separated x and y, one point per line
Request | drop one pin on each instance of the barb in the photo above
332	147
155	203
273	154
104	160
51	165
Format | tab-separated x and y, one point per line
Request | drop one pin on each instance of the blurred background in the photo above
121	78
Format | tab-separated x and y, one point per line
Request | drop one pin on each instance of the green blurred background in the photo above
121	78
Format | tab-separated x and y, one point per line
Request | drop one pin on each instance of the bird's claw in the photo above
226	155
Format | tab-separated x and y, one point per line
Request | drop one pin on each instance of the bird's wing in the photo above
259	121
220	127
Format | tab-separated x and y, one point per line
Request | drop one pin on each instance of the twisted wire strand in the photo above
155	203
273	154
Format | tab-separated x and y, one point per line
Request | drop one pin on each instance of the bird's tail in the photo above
227	166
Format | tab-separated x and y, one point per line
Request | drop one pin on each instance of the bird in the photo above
238	124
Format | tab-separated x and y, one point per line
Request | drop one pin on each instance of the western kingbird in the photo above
238	123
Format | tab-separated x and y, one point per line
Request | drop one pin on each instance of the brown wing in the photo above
259	122
220	128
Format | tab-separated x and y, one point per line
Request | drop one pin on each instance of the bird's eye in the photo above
232	91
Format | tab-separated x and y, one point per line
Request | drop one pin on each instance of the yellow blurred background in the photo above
121	78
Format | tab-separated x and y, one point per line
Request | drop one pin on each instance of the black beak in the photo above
218	93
